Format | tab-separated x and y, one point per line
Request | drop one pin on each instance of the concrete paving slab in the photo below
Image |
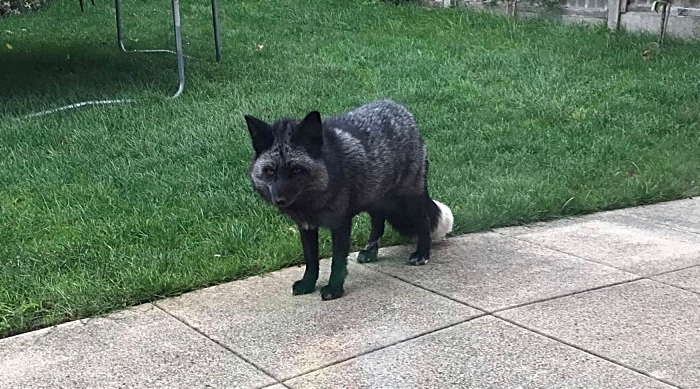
491	272
682	214
143	347
482	353
643	324
622	241
289	335
688	279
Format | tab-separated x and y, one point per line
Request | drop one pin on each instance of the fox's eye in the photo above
296	170
269	171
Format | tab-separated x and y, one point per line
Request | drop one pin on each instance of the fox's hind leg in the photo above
419	211
371	250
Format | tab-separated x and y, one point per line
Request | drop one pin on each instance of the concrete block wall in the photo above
586	4
634	15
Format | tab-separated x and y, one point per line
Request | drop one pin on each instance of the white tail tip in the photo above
444	225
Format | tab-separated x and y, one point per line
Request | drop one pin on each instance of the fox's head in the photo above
288	158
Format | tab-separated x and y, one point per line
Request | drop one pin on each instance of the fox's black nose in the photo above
280	201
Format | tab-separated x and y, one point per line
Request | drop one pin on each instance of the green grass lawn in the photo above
105	207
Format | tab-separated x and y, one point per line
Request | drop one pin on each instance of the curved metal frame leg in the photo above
178	49
118	11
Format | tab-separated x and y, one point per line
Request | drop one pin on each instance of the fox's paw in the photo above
303	287
330	292
368	254
417	259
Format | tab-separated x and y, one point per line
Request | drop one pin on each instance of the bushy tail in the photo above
403	219
441	222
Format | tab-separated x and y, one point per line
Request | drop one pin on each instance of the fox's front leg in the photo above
309	243
339	265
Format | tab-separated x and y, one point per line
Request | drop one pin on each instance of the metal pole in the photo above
215	16
120	40
662	31
178	48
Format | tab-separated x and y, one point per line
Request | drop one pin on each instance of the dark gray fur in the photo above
322	174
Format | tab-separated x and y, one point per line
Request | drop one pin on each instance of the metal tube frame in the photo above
665	15
215	23
120	40
178	39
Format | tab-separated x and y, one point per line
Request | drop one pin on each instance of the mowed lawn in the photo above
105	207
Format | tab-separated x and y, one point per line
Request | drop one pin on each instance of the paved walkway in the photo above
611	300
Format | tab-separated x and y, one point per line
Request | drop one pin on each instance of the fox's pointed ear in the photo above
260	134
310	130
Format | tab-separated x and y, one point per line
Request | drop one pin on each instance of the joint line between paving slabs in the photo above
669	284
484	311
675	286
674	270
665	224
554	338
639	277
596	262
225	347
387	346
567	295
569	254
280	384
517	305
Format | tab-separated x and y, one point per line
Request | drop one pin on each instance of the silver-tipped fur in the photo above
323	172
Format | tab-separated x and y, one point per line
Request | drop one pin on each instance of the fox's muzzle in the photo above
279	201
280	195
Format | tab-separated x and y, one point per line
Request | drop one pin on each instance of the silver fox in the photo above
323	173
